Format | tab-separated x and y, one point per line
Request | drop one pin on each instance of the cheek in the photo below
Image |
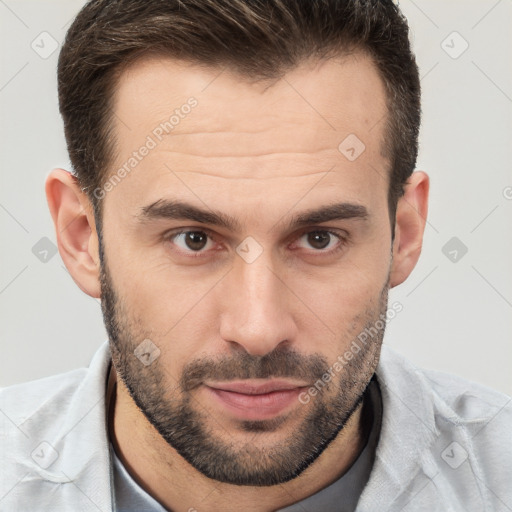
346	289
160	294
161	305
338	306
181	314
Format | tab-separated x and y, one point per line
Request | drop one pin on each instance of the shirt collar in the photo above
81	439
80	436
408	429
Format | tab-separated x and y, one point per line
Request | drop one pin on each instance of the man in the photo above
243	199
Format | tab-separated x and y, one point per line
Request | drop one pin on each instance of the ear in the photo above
75	227
411	216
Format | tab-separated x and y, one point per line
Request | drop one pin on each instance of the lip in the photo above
255	400
256	387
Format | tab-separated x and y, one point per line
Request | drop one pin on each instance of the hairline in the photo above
340	53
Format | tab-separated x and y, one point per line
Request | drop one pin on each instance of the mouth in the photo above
255	399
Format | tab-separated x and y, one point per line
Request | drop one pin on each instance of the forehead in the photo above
217	129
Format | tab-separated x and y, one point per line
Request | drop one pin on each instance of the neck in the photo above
177	485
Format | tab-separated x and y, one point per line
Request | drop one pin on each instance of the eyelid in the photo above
187	229
172	233
341	234
334	231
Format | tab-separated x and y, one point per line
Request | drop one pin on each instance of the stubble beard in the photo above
170	408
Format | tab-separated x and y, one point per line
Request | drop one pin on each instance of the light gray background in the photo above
457	316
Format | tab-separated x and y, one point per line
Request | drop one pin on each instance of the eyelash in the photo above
342	237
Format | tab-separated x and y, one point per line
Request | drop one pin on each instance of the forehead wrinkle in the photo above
239	144
249	178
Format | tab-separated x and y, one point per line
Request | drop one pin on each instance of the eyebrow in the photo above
179	210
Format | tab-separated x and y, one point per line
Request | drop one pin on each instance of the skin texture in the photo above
261	154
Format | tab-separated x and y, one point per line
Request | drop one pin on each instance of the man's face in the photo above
271	284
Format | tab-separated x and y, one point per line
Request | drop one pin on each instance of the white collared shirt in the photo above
445	443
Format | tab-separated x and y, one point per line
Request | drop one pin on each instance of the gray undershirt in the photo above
340	496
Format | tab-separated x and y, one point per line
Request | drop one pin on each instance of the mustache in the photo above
280	363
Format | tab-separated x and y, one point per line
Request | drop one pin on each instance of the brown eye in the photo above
319	239
194	241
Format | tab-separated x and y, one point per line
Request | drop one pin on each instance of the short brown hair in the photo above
259	39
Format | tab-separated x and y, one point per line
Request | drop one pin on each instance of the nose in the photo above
255	311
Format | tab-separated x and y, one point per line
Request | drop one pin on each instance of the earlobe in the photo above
411	216
75	227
